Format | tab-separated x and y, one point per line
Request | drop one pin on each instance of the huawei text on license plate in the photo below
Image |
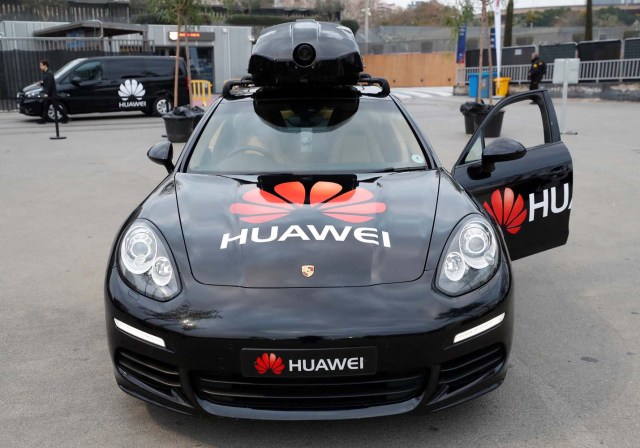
308	363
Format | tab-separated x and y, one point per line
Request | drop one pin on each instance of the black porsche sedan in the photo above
308	257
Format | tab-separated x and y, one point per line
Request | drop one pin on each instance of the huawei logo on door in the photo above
269	362
507	210
354	206
130	88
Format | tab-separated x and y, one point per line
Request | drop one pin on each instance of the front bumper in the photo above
418	365
31	106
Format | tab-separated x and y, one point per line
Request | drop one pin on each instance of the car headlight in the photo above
145	261
470	259
33	93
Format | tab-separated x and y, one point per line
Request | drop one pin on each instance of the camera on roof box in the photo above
305	51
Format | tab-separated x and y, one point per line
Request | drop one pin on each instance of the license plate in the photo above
308	363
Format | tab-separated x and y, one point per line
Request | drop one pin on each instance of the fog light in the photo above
488	325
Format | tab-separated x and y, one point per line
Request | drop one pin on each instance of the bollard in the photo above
55	120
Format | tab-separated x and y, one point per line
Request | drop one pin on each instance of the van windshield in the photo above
306	136
67	68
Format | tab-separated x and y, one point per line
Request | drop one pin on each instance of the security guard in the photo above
537	71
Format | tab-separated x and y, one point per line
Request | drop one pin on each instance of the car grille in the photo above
465	370
161	377
311	393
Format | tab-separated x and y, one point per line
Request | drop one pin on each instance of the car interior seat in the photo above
354	147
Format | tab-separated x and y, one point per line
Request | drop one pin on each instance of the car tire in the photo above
50	112
161	105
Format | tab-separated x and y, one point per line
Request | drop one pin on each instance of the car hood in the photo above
308	231
36	86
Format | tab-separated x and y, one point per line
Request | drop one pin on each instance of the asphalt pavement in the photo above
574	378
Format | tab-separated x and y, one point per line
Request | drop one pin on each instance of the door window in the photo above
91	71
201	63
125	69
161	68
520	121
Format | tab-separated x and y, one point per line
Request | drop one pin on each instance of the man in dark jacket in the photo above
537	71
50	93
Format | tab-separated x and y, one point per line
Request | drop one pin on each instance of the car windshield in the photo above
306	136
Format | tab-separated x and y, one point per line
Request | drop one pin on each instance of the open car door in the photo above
524	178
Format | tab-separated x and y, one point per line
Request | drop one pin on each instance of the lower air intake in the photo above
163	378
310	394
467	369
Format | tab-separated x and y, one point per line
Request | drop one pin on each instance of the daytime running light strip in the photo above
479	329
155	340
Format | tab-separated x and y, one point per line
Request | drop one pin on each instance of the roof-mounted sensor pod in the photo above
305	51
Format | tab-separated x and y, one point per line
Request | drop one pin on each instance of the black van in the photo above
113	84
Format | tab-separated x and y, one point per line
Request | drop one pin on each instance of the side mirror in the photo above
501	150
162	154
76	80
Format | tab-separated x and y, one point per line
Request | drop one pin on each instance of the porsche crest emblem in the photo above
308	270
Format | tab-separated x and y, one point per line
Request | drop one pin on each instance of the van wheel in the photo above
51	113
161	105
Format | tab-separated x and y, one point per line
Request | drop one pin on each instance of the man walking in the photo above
537	71
50	94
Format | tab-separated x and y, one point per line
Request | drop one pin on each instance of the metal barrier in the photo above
201	90
590	71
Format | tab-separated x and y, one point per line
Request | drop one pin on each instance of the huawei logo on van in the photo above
130	88
506	211
269	362
354	206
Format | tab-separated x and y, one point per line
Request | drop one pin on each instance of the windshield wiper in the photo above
402	169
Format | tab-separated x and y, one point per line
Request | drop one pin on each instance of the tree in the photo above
353	25
508	25
588	25
245	6
463	14
329	10
181	12
423	14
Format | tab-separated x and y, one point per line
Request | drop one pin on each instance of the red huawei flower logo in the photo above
505	211
269	362
351	206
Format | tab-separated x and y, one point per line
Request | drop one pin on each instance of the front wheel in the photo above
51	113
161	106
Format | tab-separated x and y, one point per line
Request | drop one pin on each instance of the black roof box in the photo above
305	51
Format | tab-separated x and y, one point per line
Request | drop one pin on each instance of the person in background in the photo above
537	71
50	93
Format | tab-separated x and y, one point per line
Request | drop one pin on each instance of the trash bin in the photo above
482	84
473	85
179	123
468	109
502	86
493	128
197	112
179	127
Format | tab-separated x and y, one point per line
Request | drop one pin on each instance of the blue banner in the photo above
462	43
493	37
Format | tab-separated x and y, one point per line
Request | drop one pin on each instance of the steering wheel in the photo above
250	148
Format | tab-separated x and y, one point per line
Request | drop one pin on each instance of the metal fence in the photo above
590	71
19	58
76	12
